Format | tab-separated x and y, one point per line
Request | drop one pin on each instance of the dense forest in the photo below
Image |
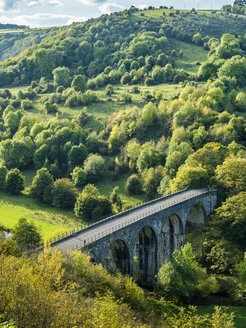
98	116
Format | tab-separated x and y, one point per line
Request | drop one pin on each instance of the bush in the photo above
109	90
14	183
82	118
78	83
91	205
64	193
181	277
78	176
134	184
42	186
26	104
77	155
125	97
26	236
94	167
50	108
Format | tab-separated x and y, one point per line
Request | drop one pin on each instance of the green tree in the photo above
116	199
235	67
231	175
82	117
3	174
208	157
78	176
78	83
190	177
61	76
241	279
109	90
134	184
64	193
149	114
17	153
42	186
240	102
94	167
197	38
26	236
218	254
152	178
91	205
164	186
182	277
117	138
232	219
177	154
14	183
77	155
12	121
50	108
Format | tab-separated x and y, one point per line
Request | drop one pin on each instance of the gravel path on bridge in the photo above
82	238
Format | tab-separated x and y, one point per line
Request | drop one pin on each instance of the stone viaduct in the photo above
138	241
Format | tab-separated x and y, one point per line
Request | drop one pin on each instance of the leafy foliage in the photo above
14	183
181	277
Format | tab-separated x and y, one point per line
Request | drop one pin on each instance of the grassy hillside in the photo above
208	23
125	108
14	41
50	221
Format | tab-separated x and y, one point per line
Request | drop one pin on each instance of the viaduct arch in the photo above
137	242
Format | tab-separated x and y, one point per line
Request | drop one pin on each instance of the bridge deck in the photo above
106	227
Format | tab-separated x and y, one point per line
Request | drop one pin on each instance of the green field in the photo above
158	13
193	55
50	221
5	31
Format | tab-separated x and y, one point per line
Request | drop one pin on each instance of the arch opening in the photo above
193	227
118	257
146	255
171	237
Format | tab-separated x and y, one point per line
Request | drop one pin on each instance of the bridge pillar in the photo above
141	248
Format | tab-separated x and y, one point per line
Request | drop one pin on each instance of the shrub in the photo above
26	104
94	167
181	277
78	176
134	184
125	97
14	182
77	155
26	236
109	90
64	193
50	108
42	186
78	83
91	205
